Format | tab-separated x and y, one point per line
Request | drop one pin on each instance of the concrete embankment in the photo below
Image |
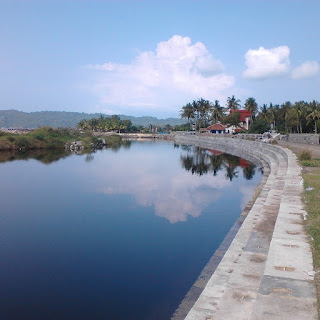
267	271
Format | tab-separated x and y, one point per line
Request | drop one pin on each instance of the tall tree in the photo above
292	120
314	116
188	112
204	108
217	112
233	103
301	108
284	109
252	106
264	112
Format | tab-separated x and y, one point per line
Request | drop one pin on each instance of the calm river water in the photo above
119	234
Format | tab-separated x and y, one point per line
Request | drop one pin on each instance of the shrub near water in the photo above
49	138
305	155
42	138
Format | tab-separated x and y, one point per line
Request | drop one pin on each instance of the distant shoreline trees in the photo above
116	125
298	117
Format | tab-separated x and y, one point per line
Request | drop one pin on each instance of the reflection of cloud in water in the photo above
247	191
174	195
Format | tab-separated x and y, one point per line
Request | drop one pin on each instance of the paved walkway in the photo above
267	271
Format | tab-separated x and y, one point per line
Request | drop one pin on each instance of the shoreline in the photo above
267	271
193	294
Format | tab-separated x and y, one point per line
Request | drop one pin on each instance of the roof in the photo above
216	126
215	151
239	129
243	163
243	114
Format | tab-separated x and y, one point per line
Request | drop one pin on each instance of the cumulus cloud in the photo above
267	63
176	72
306	70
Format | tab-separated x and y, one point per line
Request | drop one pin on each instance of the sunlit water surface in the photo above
116	234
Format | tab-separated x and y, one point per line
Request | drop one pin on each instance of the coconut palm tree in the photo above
188	112
314	116
252	106
233	103
204	107
217	112
292	119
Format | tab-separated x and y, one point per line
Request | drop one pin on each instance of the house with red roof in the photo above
217	128
245	118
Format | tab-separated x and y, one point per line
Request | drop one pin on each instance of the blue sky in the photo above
152	57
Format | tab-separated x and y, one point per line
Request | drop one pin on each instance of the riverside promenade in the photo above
267	271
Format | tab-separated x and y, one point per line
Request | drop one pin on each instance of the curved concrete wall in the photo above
267	272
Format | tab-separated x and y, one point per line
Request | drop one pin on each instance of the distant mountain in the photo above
55	119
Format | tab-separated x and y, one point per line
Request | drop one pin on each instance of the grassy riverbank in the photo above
311	177
49	138
309	159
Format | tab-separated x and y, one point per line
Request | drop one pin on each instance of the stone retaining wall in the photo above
303	138
267	271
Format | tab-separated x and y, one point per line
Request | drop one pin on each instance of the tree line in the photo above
298	117
115	124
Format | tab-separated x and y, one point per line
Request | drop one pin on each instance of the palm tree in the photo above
264	112
292	119
284	109
315	116
188	112
217	112
300	107
272	115
204	107
252	106
233	103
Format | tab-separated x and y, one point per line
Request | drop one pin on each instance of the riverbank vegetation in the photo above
52	139
311	177
298	117
310	162
116	125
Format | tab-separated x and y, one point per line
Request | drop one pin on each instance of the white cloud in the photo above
267	63
175	73
306	70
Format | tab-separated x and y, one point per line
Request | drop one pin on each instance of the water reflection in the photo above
201	161
44	156
146	175
48	156
80	239
174	194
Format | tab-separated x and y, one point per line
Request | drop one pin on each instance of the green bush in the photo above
11	138
22	143
260	125
305	155
39	136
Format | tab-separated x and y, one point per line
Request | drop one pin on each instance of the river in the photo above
117	234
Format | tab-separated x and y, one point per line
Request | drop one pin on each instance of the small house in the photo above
245	118
217	128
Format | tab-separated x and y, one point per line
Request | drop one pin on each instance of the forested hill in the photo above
56	119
